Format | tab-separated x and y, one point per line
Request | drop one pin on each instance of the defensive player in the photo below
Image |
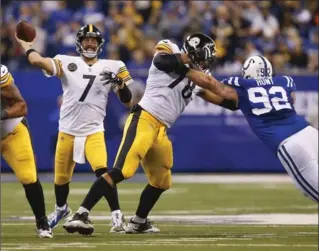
16	149
168	90
267	102
86	82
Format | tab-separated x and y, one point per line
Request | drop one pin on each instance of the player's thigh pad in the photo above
95	150
158	162
299	156
139	135
64	163
17	151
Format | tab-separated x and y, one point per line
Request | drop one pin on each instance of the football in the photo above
25	31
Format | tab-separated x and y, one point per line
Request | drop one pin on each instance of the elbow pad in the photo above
125	94
229	104
170	63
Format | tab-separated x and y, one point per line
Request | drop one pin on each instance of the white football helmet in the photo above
257	67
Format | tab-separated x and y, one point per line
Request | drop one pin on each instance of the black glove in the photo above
110	78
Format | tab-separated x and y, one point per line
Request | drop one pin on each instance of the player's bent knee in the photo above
27	178
163	181
61	179
116	175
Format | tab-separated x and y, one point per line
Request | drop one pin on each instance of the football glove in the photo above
110	78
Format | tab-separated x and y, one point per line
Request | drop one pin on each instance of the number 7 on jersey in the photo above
91	79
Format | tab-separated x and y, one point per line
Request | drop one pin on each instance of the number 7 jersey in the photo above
267	105
84	96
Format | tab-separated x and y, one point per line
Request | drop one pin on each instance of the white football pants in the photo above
299	156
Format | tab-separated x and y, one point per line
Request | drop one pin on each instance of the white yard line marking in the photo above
253	219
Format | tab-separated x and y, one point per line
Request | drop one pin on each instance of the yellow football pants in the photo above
145	140
16	149
95	153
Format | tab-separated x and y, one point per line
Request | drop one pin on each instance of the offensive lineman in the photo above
86	82
168	90
16	149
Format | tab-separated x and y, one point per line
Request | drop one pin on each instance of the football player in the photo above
16	149
86	83
267	101
168	91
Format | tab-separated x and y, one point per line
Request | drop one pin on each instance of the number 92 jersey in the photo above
267	105
84	95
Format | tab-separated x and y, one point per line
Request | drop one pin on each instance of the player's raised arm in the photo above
13	104
49	65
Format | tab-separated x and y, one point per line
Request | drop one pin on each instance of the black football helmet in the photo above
89	30
201	50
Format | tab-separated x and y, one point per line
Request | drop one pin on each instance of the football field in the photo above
200	213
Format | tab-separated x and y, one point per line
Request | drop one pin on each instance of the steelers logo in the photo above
72	67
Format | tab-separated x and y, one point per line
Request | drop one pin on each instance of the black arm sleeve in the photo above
229	104
125	94
170	63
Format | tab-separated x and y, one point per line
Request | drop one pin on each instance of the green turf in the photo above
184	199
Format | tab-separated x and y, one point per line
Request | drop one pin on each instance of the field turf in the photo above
229	216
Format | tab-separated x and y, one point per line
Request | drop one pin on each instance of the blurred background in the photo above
206	138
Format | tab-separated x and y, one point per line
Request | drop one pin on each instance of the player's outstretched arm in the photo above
217	100
213	85
35	58
16	106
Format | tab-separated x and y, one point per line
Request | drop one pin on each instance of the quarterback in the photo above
168	91
86	83
16	149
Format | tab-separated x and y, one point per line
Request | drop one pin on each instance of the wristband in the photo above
29	51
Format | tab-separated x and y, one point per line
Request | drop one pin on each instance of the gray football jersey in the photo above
166	94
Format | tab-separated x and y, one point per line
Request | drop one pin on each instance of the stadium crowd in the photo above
286	32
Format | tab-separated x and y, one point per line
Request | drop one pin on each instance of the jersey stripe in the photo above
291	81
236	82
6	80
289	84
58	65
164	47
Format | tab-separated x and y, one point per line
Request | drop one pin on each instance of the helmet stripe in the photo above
266	73
90	28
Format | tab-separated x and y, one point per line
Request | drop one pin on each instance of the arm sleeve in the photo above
124	74
57	67
170	63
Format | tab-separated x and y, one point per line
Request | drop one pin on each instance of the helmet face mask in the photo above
89	31
257	67
201	46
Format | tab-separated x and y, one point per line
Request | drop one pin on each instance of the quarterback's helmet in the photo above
89	30
257	67
201	50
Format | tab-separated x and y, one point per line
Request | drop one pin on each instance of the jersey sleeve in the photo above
232	81
290	83
124	74
6	77
164	45
57	62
